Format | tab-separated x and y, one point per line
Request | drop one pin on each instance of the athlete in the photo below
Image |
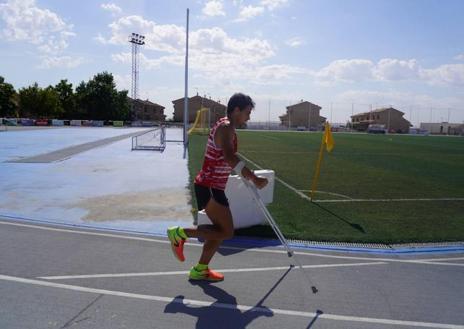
219	161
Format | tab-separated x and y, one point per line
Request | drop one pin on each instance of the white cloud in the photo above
249	12
273	4
112	8
24	21
169	38
213	54
395	69
346	70
214	8
101	39
388	69
459	57
206	42
294	42
450	74
60	62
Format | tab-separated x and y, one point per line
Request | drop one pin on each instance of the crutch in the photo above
254	192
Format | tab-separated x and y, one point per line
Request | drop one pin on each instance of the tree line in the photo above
96	99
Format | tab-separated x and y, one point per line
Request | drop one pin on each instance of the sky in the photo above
347	56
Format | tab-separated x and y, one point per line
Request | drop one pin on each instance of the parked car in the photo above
376	129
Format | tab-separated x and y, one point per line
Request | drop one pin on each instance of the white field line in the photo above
244	308
440	263
439	259
389	200
255	269
304	196
347	198
275	251
331	193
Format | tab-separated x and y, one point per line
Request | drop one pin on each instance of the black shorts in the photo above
204	194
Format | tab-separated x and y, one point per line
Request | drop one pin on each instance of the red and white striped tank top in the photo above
215	170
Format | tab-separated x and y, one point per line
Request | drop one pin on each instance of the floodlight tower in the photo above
136	40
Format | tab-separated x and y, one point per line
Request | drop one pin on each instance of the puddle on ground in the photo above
146	205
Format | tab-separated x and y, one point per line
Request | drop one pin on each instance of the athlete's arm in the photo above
224	139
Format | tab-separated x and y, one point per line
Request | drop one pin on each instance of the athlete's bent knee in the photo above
228	234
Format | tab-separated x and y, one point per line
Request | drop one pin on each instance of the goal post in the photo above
202	122
152	140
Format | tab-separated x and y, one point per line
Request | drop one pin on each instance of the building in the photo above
390	118
195	103
146	111
443	128
303	115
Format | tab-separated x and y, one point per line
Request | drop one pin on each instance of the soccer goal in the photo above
202	122
152	140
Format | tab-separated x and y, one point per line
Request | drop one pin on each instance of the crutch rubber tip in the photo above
314	289
289	253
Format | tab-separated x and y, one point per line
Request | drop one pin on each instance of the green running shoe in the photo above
206	275
177	242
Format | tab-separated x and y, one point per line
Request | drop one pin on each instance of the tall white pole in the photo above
186	112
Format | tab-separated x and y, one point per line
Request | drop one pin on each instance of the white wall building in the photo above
443	128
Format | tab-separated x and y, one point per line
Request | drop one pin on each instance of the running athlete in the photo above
210	183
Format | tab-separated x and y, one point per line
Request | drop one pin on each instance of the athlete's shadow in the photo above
224	312
353	225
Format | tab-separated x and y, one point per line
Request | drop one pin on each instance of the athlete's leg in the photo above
222	228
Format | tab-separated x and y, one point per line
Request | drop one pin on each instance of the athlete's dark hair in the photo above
239	100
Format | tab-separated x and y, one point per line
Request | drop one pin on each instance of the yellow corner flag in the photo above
328	138
328	141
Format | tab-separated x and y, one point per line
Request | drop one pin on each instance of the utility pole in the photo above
186	112
269	115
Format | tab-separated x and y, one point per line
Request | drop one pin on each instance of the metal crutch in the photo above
254	191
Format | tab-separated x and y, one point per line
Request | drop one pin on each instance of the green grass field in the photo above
362	188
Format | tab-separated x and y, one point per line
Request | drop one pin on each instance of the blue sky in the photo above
346	55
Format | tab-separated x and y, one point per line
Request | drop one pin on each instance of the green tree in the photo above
98	99
36	102
8	99
67	99
123	107
83	100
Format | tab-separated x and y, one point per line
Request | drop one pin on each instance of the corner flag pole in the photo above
327	140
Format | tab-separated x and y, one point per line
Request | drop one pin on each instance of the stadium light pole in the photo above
136	40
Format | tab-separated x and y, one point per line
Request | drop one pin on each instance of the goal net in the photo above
152	140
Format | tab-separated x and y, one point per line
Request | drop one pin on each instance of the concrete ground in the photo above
59	277
89	176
